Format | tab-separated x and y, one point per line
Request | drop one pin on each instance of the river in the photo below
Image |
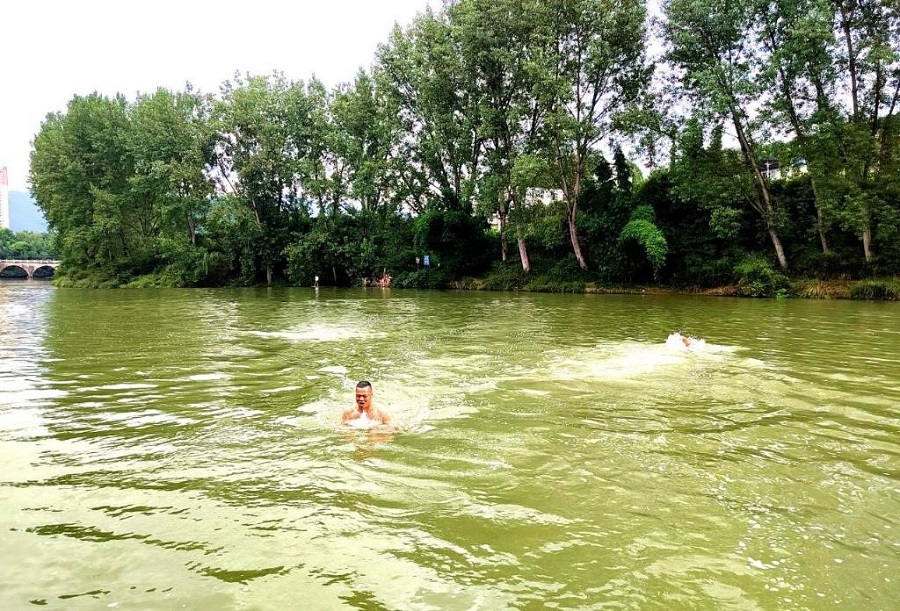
181	449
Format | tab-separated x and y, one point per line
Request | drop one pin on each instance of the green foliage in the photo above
80	168
605	210
27	245
303	258
648	235
876	290
813	263
505	277
467	109
757	278
564	276
431	89
455	240
817	289
425	278
725	222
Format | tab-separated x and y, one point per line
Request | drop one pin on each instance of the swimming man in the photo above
364	409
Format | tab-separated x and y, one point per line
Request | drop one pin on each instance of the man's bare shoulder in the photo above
384	417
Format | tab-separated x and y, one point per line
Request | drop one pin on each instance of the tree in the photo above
268	157
80	171
709	43
172	143
589	67
498	40
796	37
868	62
27	245
438	159
366	131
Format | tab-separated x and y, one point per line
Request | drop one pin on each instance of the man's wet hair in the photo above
364	384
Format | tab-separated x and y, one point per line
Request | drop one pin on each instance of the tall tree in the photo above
796	39
267	147
498	41
440	155
80	170
868	61
322	169
711	43
172	143
589	67
366	131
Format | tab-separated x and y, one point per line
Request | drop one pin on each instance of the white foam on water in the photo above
625	364
321	333
124	386
280	389
630	360
338	369
677	341
205	377
362	422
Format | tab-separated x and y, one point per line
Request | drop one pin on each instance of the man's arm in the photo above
384	417
348	414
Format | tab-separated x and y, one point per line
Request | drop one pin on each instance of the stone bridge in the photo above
29	266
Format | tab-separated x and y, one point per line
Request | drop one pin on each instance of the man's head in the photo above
364	395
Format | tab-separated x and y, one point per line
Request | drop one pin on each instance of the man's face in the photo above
364	398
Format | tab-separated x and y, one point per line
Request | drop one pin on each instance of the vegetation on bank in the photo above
508	277
27	245
499	139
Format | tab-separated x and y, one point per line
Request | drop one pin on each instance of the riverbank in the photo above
505	279
885	289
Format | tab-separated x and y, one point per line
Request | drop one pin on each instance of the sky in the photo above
52	50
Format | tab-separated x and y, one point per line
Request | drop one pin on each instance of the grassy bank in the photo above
758	283
881	289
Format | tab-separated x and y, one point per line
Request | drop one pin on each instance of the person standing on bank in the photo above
364	410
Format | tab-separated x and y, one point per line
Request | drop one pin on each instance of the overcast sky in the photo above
51	50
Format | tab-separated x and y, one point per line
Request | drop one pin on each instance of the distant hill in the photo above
24	215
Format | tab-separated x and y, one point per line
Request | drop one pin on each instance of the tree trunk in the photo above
523	250
820	218
503	238
779	249
767	210
801	137
846	28
576	245
269	273
192	230
571	196
513	204
867	242
502	213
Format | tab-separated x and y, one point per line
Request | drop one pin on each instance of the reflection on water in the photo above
182	449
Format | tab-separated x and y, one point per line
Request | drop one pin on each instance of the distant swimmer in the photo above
677	340
364	413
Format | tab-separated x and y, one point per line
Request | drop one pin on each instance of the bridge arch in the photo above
28	266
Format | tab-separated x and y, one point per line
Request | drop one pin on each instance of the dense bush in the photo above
648	235
425	278
757	278
27	245
877	290
505	277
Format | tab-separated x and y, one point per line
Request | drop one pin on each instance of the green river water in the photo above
181	449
